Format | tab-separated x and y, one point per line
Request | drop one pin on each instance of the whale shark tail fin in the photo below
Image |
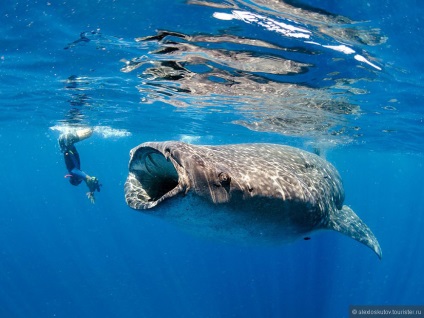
348	223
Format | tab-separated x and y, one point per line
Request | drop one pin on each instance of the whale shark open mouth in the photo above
152	178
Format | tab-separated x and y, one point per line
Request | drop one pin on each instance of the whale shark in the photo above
249	193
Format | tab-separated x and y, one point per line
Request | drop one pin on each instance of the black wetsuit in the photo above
72	159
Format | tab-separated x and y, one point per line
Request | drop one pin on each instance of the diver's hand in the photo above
93	184
90	196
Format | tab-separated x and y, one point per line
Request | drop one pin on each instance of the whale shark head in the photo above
159	171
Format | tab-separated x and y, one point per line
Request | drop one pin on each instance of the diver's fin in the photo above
84	133
348	223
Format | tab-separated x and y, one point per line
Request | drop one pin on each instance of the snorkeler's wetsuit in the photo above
72	158
73	164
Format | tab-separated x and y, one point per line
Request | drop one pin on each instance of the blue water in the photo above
101	64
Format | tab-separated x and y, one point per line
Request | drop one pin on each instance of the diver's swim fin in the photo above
84	133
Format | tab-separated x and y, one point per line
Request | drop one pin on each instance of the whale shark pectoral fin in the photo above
348	223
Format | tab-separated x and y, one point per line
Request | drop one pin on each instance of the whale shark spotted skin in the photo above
259	193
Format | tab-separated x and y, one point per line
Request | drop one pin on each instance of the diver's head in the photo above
75	181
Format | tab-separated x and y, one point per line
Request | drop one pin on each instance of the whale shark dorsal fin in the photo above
317	151
348	223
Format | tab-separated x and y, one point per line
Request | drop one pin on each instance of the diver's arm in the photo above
93	185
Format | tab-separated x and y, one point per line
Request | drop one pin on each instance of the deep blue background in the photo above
60	256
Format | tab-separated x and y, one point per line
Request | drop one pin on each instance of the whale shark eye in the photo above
224	178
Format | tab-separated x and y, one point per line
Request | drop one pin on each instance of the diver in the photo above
73	163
